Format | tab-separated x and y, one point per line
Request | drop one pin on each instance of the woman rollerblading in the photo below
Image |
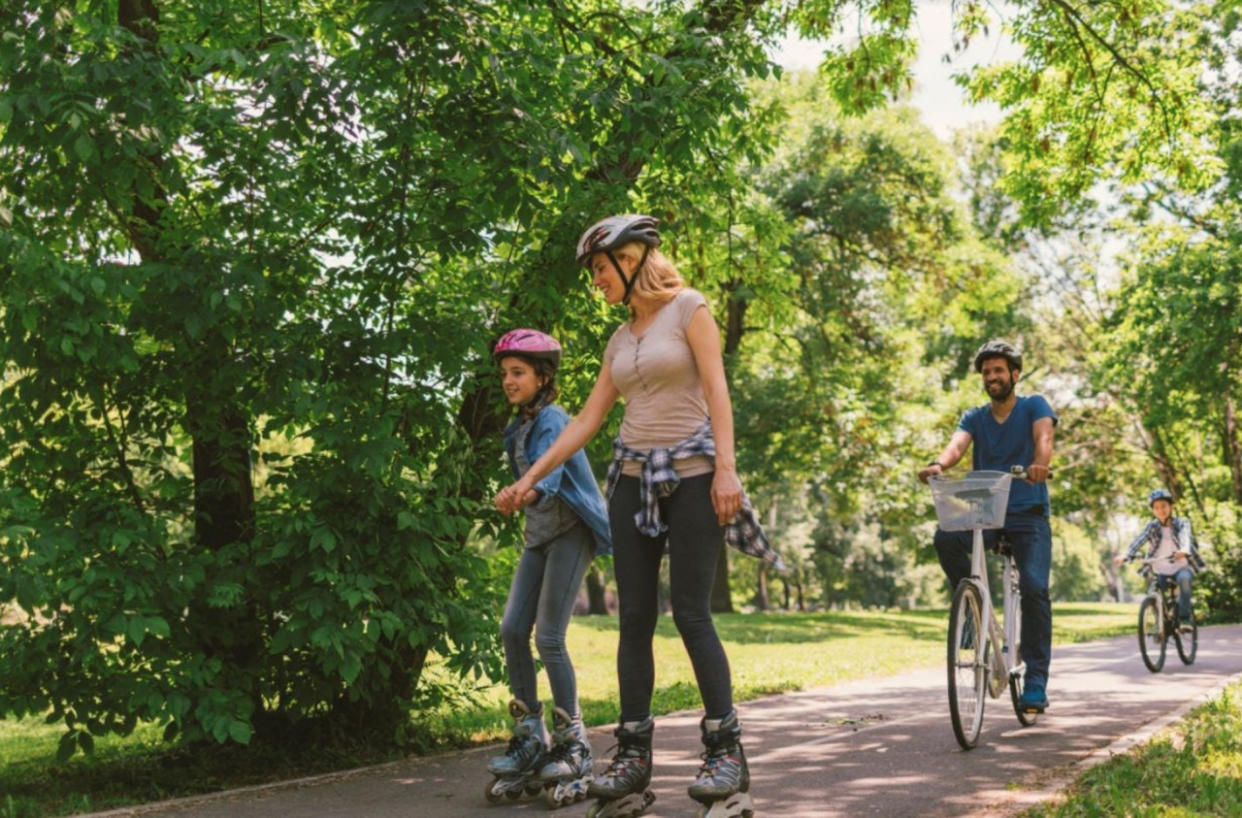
517	771
568	767
724	780
622	790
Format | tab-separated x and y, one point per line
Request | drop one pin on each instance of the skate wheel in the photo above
534	789
490	793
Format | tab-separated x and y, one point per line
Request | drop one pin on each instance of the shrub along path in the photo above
880	747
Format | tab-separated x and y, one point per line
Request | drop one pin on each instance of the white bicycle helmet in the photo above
612	232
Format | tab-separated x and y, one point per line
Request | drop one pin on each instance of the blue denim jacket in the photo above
572	481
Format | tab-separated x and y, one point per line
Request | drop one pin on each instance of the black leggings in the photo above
694	540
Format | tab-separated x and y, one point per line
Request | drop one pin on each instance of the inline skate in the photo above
724	779
566	772
622	791
517	771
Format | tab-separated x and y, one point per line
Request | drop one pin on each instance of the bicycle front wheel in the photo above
1151	635
1188	643
968	664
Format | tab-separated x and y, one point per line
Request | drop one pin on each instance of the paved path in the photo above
879	747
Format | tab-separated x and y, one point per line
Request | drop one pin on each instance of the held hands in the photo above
726	494
515	497
1118	559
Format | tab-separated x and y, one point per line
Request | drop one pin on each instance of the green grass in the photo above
768	653
1192	769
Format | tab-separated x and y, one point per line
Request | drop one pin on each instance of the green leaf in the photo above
67	746
240	732
84	148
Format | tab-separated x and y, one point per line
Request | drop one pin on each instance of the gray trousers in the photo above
541	598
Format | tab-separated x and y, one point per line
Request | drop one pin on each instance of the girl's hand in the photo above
726	495
514	497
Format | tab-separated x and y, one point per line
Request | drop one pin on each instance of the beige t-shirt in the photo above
656	374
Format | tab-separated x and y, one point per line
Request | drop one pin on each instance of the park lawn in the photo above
1193	768
769	653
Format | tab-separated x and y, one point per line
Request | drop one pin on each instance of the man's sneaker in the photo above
1034	699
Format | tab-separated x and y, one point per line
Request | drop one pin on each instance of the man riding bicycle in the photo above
1010	431
1171	551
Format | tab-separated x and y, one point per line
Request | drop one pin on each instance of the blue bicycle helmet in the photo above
1159	494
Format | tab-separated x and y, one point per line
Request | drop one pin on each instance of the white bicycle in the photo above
982	660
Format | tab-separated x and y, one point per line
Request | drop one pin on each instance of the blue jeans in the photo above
1030	538
1182	578
541	598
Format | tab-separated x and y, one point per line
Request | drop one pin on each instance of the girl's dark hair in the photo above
547	393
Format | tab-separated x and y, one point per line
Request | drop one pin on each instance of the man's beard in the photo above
1003	393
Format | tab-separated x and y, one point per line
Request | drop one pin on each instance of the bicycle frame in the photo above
1005	661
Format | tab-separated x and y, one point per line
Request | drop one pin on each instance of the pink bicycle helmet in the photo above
528	343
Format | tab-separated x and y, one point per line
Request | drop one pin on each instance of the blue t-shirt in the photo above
998	446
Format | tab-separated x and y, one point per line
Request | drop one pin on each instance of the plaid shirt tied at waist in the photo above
658	479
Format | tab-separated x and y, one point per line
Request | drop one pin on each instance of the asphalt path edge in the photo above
1013	802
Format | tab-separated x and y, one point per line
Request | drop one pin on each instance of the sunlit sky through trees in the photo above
943	104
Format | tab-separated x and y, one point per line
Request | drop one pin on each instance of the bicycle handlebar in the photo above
1019	472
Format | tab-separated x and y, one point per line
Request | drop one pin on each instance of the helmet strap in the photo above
629	282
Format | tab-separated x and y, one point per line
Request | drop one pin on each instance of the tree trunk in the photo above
1232	451
596	601
762	603
215	420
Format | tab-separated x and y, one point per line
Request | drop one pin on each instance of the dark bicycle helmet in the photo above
998	349
1159	494
608	234
528	343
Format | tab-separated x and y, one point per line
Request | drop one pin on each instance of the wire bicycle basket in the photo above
977	499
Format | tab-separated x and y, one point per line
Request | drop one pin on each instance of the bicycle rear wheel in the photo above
1151	635
1188	643
968	659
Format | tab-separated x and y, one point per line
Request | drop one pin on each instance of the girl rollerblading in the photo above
517	771
568	767
566	525
622	790
724	780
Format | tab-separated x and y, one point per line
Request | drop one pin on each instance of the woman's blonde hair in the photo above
658	279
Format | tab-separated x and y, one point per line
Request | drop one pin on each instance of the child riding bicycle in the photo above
1171	551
